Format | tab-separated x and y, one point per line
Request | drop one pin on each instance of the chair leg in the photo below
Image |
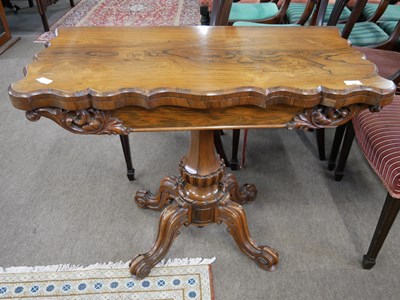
344	154
219	147
71	2
337	141
127	153
234	163
205	15
30	3
386	219
321	143
242	163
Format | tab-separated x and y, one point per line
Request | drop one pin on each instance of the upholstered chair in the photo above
378	135
297	8
364	34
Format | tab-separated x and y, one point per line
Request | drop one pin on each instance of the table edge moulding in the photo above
116	80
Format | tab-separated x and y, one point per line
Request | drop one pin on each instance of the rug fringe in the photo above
175	262
172	262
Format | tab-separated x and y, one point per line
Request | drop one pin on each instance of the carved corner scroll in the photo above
86	121
324	117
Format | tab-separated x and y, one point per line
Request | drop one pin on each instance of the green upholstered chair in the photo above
363	34
383	12
359	34
388	26
309	15
296	10
317	11
264	12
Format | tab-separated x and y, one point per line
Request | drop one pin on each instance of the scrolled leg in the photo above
168	191
233	215
246	193
172	218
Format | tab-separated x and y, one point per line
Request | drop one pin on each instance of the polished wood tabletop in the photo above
117	80
107	68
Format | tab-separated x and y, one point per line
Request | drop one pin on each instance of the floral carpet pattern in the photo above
128	13
102	282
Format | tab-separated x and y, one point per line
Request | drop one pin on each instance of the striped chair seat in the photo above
244	23
295	10
388	26
252	12
392	12
378	135
365	34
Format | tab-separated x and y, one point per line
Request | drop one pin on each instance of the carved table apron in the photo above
117	80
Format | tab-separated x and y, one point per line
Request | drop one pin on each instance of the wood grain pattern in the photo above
198	67
167	118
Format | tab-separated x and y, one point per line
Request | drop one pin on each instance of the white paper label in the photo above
353	82
44	80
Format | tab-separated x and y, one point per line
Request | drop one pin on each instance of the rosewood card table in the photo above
117	80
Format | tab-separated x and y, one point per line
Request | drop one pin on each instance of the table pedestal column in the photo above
203	194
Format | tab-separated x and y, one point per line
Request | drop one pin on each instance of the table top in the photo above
107	68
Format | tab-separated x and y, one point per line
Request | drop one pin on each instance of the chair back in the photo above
220	12
317	18
354	16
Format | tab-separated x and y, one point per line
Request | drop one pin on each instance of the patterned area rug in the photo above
128	13
179	279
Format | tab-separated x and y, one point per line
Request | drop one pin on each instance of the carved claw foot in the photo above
172	218
246	193
233	215
168	191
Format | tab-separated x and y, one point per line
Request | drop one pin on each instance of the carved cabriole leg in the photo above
233	215
168	191
172	218
246	193
200	196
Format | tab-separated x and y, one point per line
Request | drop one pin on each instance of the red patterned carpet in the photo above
128	13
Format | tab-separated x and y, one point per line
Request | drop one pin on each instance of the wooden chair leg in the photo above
320	133
30	3
234	162
205	15
127	153
386	219
344	154
337	141
71	2
42	12
220	148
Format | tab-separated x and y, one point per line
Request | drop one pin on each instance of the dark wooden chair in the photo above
379	138
354	32
378	135
368	33
42	6
15	8
296	11
219	17
313	15
388	64
267	11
